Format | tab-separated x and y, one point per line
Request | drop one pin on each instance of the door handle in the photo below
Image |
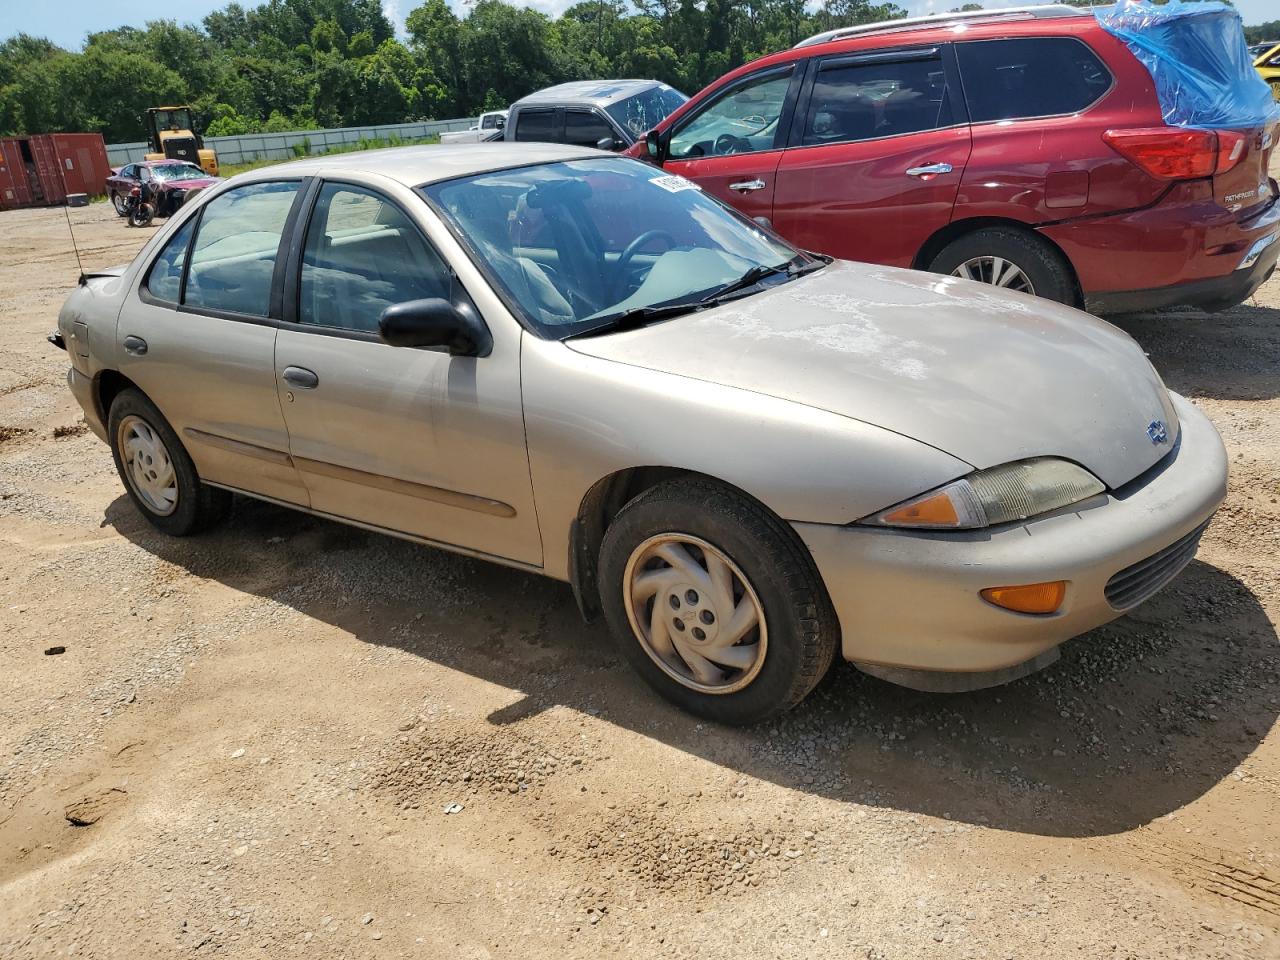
301	377
135	346
746	186
929	171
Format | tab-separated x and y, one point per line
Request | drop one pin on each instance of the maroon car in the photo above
169	180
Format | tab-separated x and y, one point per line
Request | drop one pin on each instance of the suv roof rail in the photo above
1045	11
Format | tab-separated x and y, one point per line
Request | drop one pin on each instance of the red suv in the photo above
1024	148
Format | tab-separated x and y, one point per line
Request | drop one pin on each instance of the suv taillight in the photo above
1171	153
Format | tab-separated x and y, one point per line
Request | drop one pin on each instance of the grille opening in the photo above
1142	580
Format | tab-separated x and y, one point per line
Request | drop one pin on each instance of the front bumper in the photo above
910	600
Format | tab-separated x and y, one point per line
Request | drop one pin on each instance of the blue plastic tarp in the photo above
1196	53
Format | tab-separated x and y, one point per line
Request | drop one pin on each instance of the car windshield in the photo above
176	171
646	110
593	245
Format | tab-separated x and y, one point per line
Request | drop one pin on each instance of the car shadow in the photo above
1137	720
1233	355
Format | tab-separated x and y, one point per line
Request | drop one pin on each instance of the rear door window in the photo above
538	125
1030	77
233	258
582	128
859	99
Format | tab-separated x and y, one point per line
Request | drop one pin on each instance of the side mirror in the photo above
609	143
656	147
435	323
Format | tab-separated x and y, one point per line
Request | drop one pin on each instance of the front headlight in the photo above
1012	491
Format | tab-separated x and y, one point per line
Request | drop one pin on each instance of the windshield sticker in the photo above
674	184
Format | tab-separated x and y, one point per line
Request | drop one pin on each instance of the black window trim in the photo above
277	277
291	280
1043	116
944	52
797	70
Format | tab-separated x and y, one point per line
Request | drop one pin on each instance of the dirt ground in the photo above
251	741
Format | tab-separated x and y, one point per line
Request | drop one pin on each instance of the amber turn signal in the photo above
1028	598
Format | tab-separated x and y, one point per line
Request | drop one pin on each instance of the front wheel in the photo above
716	602
117	201
1009	258
157	470
141	215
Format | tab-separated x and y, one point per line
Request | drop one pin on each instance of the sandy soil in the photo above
249	745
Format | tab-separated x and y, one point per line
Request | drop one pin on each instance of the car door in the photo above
879	147
405	439
731	146
198	338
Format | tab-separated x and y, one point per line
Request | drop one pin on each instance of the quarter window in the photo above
1030	77
164	282
743	121
234	255
863	101
361	256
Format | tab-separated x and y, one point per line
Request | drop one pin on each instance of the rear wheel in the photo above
716	602
117	201
157	471
1008	258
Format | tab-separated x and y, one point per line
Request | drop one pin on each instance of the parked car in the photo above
609	114
1023	148
489	123
1267	63
748	458
170	182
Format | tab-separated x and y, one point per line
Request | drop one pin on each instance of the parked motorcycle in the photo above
139	210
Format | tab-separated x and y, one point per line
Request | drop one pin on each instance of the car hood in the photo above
986	375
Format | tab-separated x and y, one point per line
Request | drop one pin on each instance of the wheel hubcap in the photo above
996	271
695	613
147	466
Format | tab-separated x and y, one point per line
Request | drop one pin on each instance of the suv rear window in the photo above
1031	77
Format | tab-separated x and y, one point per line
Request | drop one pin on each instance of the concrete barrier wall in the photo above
279	146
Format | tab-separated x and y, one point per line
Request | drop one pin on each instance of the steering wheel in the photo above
727	143
628	254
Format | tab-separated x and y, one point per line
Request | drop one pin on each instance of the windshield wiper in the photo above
792	268
639	317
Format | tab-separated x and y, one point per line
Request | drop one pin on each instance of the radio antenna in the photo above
67	211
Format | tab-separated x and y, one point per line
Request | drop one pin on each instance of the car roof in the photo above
597	93
415	166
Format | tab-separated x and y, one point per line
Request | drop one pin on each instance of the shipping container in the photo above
40	170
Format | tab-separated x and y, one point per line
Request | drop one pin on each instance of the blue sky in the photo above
66	22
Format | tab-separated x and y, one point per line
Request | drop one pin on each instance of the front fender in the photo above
587	418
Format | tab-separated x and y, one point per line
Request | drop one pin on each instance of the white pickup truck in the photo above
489	124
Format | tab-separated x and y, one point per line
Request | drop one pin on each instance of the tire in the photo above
142	215
193	506
117	201
770	570
1047	272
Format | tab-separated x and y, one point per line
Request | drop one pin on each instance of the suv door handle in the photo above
929	171
301	377
135	346
746	186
